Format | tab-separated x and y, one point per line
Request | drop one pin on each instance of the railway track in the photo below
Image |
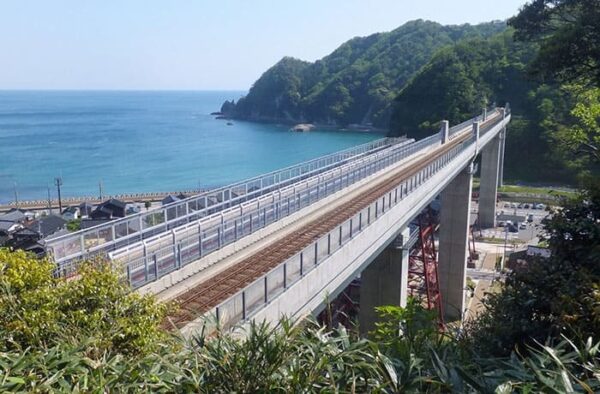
206	295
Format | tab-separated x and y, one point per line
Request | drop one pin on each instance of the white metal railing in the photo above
253	297
133	228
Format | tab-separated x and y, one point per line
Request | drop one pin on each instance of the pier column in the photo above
384	281
453	243
488	186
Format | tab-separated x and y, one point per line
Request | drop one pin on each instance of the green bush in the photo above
37	309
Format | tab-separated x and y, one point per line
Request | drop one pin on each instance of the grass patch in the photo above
499	241
536	190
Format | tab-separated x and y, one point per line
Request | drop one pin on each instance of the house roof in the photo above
169	199
27	231
13	216
72	209
114	202
48	225
6	224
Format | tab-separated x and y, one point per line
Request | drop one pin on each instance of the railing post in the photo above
145	268
301	264
360	221
155	267
328	243
476	135
316	253
444	131
284	276
243	305
266	291
350	227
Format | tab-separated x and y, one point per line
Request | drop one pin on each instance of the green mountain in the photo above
462	79
354	84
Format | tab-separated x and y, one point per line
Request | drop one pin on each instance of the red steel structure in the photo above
423	280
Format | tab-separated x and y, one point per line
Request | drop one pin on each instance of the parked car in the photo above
520	206
507	205
523	226
526	206
540	206
530	218
513	205
501	224
512	228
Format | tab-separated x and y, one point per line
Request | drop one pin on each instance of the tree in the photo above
584	136
550	297
37	309
568	32
147	204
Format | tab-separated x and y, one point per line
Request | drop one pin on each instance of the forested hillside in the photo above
354	84
462	79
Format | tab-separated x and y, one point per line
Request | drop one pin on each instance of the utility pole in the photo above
16	195
58	182
49	200
100	189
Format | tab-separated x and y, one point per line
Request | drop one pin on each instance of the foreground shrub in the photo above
38	310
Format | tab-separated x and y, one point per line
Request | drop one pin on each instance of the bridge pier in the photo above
488	186
384	281
453	243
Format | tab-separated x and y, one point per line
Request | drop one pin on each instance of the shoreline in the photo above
317	126
68	201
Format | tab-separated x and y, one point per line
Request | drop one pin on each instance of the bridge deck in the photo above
217	286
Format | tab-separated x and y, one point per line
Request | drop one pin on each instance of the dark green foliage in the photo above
568	32
460	80
550	297
354	84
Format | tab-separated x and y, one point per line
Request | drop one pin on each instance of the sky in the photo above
194	44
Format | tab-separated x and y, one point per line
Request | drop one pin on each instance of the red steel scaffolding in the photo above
423	280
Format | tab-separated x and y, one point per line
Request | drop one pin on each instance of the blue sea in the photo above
140	142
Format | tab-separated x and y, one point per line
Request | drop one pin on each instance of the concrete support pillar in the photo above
488	186
384	282
444	131
453	243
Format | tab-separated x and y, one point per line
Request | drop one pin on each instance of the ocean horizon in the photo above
136	141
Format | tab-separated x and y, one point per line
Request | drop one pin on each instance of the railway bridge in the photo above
284	242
